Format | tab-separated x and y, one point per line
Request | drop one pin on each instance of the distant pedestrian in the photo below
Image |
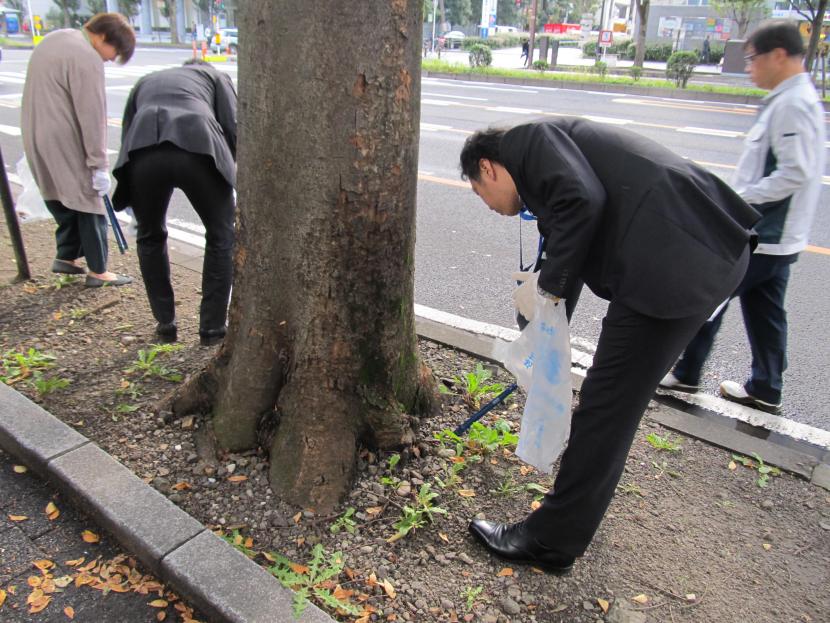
179	131
64	127
779	174
707	51
525	50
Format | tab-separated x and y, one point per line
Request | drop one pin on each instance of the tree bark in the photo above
816	22
642	14
321	338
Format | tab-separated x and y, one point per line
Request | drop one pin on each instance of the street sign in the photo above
606	38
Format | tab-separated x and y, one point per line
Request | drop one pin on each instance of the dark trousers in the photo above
633	353
762	293
80	234
154	173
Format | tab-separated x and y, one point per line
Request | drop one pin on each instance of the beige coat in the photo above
64	119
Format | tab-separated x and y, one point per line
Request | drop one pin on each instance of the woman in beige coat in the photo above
65	137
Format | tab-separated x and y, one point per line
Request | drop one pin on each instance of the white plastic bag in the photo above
540	359
30	205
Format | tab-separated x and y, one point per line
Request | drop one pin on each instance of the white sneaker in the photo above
736	393
670	381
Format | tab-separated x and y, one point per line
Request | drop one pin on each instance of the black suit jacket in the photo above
637	223
192	107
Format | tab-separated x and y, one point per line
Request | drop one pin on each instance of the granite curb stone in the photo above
218	580
33	434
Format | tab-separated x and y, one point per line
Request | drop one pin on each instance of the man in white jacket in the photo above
780	175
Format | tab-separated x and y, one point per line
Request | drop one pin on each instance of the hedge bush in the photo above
680	67
480	56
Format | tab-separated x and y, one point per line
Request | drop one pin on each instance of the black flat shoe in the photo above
512	542
209	337
167	332
67	268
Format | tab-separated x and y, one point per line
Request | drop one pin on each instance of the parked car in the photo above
453	39
223	39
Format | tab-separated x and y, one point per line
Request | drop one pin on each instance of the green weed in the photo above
764	470
148	365
417	516
490	439
309	579
20	366
630	489
61	281
240	543
45	387
344	522
663	468
663	443
452	473
76	313
475	386
470	595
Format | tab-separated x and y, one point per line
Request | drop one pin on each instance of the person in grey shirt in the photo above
179	131
780	174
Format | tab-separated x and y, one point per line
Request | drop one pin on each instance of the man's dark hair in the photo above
774	35
482	144
116	31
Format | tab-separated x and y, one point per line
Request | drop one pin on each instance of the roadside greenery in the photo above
680	67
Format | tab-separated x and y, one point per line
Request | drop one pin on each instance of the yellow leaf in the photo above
298	568
20	469
767	546
57	315
63	581
181	486
2	596
249	542
237	478
90	537
733	465
524	470
466	493
39	604
297	517
34	581
69	611
18	517
75	563
158	603
535	504
444	537
268	557
43	565
35	596
374	510
389	589
52	511
641	599
505	572
603	603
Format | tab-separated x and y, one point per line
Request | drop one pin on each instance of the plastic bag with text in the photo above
30	205
540	359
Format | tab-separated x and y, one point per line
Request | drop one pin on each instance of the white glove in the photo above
524	297
101	181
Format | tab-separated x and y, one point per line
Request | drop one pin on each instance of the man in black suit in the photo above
661	239
179	131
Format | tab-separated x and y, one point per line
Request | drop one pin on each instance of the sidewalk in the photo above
214	577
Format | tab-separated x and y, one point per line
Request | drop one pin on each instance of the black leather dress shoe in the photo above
513	542
209	337
167	332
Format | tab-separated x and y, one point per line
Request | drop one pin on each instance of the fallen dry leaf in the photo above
505	572
389	589
641	599
161	615
43	564
524	470
268	557
767	546
603	603
69	611
297	517
158	603
34	581
2	596
733	465
52	511
466	493
18	517
75	563
20	469
444	537
90	537
238	478
298	568
374	510
181	486
535	504
63	581
39	604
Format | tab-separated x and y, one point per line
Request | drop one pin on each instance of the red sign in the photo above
606	37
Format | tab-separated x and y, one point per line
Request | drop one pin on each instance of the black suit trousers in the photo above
633	353
154	172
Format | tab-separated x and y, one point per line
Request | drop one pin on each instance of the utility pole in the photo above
532	43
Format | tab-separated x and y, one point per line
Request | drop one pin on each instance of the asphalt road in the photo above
465	253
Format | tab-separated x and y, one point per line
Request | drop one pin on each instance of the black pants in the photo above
762	293
633	354
153	174
80	234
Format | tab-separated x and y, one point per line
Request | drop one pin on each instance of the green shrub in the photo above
636	72
680	67
601	69
480	56
541	65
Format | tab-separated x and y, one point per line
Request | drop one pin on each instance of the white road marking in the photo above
609	120
438	102
10	130
458	97
517	111
710	132
434	127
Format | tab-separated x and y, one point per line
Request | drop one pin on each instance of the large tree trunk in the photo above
321	338
642	19
172	20
816	21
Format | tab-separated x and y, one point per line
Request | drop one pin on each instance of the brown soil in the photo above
700	541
